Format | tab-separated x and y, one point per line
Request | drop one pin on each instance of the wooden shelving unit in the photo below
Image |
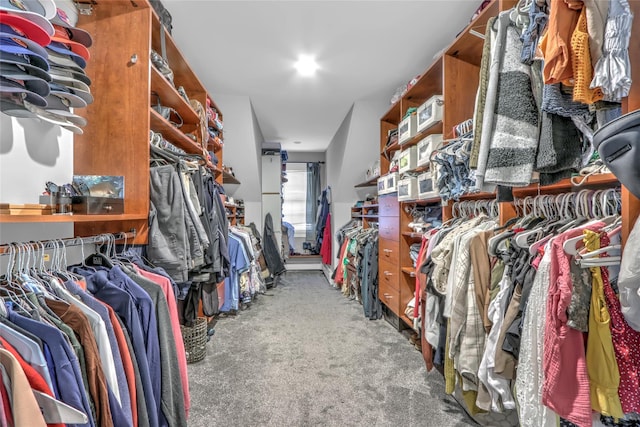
227	178
367	213
454	75
370	183
70	218
121	116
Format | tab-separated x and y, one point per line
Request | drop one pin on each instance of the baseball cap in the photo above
44	8
63	61
63	36
25	28
75	97
62	19
24	65
64	50
7	32
22	89
36	11
14	47
35	83
60	106
51	117
69	72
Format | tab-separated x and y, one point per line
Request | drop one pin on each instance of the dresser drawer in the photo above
389	274
389	205
389	297
389	251
389	228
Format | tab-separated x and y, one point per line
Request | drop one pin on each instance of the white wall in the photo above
32	152
353	149
242	151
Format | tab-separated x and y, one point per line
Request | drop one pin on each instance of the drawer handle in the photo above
387	251
108	208
386	273
387	296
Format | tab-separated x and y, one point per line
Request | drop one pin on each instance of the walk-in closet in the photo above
312	213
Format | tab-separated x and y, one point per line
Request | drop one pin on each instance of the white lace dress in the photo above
530	376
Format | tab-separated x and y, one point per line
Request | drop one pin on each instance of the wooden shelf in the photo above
409	270
212	124
354	215
468	46
477	196
227	178
213	104
435	129
565	185
394	147
173	134
393	114
412	235
429	84
183	74
429	201
213	143
373	182
70	218
170	97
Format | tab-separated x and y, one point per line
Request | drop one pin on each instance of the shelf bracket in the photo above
84	8
476	33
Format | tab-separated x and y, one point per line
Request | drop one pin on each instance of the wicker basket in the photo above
195	340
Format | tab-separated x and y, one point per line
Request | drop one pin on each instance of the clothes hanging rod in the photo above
73	241
322	163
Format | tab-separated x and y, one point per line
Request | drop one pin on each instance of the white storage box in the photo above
391	182
407	189
429	113
426	189
408	159
388	183
426	147
382	182
407	129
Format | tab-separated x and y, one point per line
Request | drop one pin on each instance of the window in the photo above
294	207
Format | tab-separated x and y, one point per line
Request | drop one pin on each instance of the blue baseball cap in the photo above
13	47
9	32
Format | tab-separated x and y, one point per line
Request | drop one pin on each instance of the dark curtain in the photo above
313	196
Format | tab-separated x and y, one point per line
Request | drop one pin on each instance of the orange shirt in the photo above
555	43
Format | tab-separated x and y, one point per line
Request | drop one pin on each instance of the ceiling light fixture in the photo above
297	142
306	65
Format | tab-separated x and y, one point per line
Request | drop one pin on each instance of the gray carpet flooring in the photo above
304	355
